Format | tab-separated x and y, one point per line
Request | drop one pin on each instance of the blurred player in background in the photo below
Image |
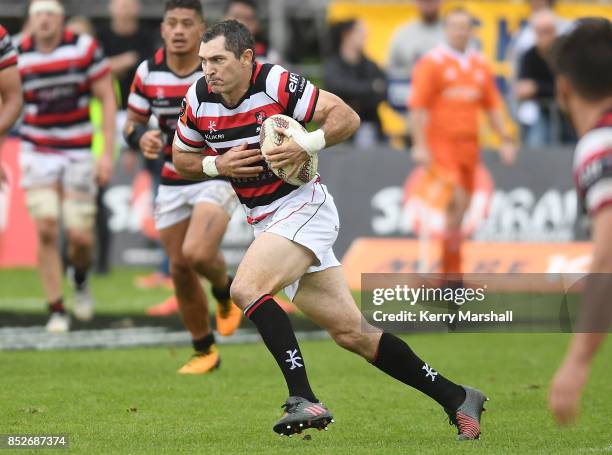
415	38
60	73
451	84
245	12
583	65
191	216
11	99
295	226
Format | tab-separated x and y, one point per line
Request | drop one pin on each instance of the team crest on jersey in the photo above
260	116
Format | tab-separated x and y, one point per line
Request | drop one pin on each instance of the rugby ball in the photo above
269	139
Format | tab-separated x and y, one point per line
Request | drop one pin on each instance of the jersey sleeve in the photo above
296	94
491	98
593	174
424	84
188	137
8	54
137	100
98	64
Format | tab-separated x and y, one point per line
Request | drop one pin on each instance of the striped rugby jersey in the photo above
593	166
57	92
157	91
207	125
8	55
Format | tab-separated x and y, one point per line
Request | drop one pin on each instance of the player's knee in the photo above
48	232
351	340
199	258
243	293
80	239
179	269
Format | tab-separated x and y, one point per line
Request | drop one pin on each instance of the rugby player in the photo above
295	227
11	99
191	216
582	61
60	72
450	85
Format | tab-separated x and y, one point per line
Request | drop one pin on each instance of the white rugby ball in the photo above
269	139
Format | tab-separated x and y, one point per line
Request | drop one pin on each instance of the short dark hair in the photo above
337	32
249	3
237	37
194	5
584	56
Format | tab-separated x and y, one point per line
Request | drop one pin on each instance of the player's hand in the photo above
421	155
104	169
238	162
566	391
288	154
507	152
151	144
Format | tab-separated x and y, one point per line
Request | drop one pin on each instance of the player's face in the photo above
459	30
46	25
244	14
181	31
223	71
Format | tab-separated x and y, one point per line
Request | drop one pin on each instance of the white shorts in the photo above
174	204
310	218
75	172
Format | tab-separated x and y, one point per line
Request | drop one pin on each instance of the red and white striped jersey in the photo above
593	166
158	91
8	54
57	92
208	126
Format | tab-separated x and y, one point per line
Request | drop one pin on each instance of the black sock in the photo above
202	345
57	306
223	294
80	278
395	358
276	331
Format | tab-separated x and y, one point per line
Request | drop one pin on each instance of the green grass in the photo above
88	395
132	400
115	293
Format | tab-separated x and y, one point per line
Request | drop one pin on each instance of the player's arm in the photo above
337	122
425	90
419	118
195	161
507	149
11	99
595	321
102	89
11	102
139	137
492	103
136	132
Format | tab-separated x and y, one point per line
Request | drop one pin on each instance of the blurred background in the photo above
521	219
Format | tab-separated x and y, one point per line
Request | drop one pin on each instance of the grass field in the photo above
132	401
